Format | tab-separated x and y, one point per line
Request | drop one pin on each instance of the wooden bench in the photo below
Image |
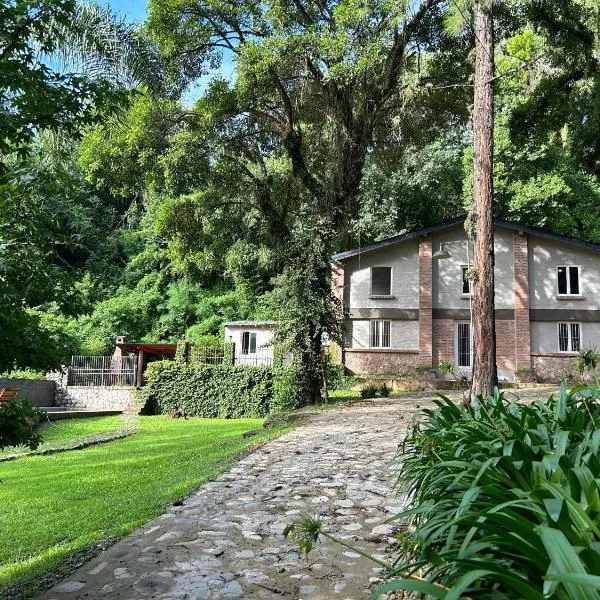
7	394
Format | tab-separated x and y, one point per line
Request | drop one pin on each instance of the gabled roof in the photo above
250	324
544	233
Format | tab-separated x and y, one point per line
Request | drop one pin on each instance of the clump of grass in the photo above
375	391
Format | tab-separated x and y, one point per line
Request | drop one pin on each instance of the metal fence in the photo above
209	355
102	370
230	354
263	357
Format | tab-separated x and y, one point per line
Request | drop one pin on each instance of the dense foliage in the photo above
209	391
17	424
504	498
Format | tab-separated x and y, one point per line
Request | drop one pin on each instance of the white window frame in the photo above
456	347
464	268
567	267
569	336
371	293
250	334
380	337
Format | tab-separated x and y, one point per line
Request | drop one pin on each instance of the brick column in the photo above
521	290
425	302
337	291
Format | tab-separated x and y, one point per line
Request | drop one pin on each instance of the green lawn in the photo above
68	432
54	505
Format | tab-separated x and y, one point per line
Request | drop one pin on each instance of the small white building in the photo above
253	341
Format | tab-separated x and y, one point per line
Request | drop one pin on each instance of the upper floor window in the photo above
568	278
569	337
248	342
381	334
381	281
466	290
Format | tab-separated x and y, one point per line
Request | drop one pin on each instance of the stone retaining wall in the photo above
37	392
553	367
380	361
97	398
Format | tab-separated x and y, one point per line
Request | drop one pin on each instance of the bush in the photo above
286	385
375	391
505	498
210	391
17	423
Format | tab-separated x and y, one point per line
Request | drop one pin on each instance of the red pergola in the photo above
143	351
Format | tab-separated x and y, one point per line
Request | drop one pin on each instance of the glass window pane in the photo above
575	337
253	343
574	280
464	345
381	281
245	342
465	281
386	334
563	337
374	334
562	280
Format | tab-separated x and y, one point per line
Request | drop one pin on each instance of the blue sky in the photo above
133	10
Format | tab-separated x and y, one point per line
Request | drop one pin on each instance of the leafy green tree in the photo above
316	82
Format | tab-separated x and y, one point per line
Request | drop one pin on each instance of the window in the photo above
568	281
465	282
248	342
463	345
569	337
381	281
380	334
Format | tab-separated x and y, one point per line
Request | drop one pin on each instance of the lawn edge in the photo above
27	588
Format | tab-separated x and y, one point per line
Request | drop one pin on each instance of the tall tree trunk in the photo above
484	336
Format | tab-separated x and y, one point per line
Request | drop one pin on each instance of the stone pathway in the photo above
226	540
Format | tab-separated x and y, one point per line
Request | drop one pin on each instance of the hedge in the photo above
210	391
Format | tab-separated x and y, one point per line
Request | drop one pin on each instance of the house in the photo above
253	341
409	303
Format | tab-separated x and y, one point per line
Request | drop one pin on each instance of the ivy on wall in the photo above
210	391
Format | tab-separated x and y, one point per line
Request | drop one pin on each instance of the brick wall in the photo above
505	347
443	341
425	302
381	361
522	335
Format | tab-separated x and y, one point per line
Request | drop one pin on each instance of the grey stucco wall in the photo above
544	336
544	256
404	334
447	273
404	260
38	393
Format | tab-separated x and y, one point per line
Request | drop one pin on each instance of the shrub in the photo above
287	393
384	391
505	498
209	391
17	423
368	391
375	391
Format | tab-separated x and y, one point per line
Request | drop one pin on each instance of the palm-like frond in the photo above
100	45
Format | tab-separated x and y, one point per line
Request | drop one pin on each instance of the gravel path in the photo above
226	540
